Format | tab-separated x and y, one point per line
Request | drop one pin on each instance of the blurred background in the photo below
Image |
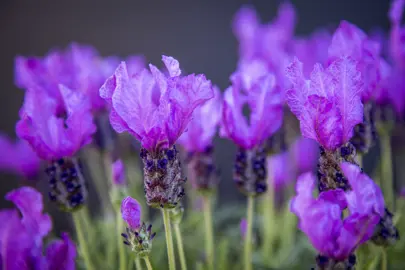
197	33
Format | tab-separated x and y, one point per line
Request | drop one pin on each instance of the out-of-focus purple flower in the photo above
131	212
279	173
18	157
313	49
328	105
54	136
61	254
21	236
152	107
118	172
79	67
321	219
304	154
265	41
29	202
349	40
135	64
265	103
397	34
203	126
243	227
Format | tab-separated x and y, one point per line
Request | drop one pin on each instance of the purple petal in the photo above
303	199
336	196
365	197
280	174
325	120
172	66
29	202
186	94
61	254
118	172
304	153
348	89
131	212
203	126
243	227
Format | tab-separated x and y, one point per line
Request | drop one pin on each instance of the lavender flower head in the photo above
321	218
21	237
137	235
304	154
263	97
78	67
279	174
198	142
118	172
52	135
18	157
156	110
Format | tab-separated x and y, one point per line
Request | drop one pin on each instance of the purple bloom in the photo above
61	254
304	154
328	105
18	157
321	219
154	108
203	126
349	40
313	49
397	38
267	42
118	172
54	136
79	67
265	102
402	193
21	236
29	202
131	212
243	227
279	173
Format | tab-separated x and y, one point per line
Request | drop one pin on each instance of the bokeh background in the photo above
197	33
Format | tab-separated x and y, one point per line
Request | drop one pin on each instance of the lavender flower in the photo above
57	138
21	237
321	218
328	107
137	235
304	154
280	174
78	67
18	157
118	172
265	102
156	110
198	140
268	42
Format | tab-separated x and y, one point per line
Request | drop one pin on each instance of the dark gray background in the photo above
197	33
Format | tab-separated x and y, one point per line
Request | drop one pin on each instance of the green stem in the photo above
268	222
180	247
169	239
138	264
147	262
386	169
384	262
209	235
121	248
84	249
249	234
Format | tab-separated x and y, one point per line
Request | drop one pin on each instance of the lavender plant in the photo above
342	90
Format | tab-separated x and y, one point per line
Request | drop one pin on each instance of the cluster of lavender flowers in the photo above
345	88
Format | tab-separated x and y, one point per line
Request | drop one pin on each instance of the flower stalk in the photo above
209	235
147	262
121	248
249	234
180	247
82	242
386	169
169	239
